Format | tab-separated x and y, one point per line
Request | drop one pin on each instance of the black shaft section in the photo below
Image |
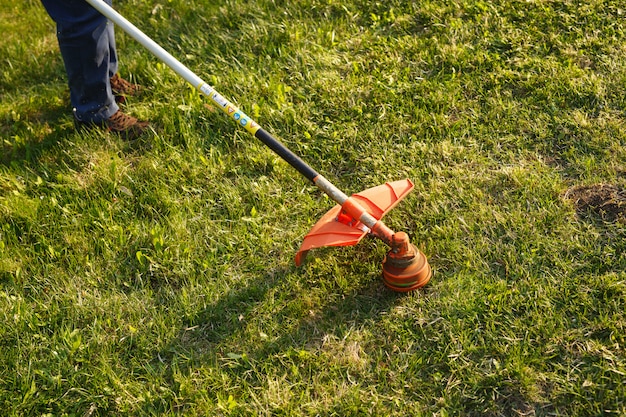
293	159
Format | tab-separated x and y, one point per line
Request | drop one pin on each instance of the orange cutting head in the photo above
405	268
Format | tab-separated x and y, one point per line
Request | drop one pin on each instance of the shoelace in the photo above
121	121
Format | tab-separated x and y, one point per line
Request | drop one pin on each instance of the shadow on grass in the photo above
27	145
304	322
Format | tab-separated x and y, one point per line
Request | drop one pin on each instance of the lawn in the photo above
157	277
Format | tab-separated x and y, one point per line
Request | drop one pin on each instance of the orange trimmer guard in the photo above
336	228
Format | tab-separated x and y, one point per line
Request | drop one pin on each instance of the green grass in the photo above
159	280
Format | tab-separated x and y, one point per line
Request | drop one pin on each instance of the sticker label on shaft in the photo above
230	109
217	97
206	89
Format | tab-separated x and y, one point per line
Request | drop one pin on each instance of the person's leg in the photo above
87	43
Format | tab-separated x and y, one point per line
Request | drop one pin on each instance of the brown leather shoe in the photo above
122	88
128	127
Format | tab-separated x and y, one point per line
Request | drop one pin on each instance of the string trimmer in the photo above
405	268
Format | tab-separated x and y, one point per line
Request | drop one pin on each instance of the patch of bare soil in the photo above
604	200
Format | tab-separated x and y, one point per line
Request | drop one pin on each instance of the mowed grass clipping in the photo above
157	278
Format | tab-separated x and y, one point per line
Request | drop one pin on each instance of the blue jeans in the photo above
87	44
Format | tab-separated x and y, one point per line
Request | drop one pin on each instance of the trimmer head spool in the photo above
405	268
